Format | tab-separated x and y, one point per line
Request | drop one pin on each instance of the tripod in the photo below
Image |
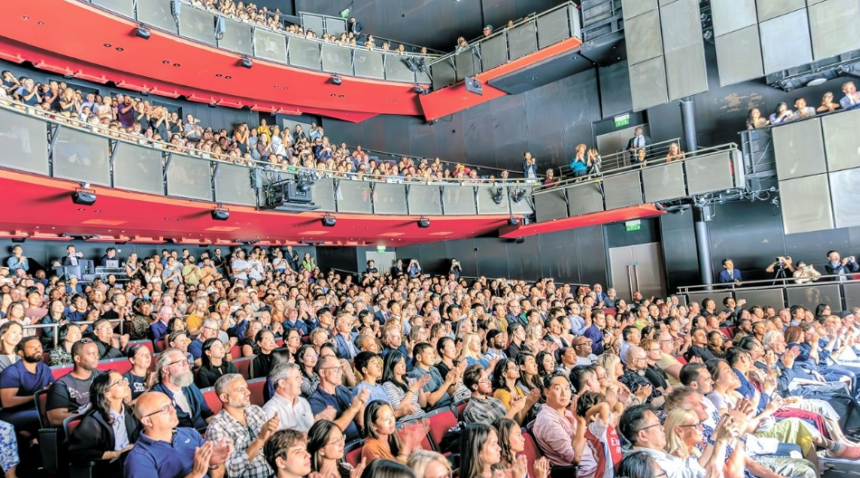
779	274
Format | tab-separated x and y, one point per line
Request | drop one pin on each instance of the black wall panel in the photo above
524	258
560	256
492	257
545	138
592	255
751	234
478	135
615	95
346	258
510	131
434	258
464	251
498	12
396	135
680	253
422	138
449	138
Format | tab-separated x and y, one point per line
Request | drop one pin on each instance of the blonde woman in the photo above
675	153
472	352
684	433
429	464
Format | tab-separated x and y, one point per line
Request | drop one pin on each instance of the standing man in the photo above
838	266
638	141
729	274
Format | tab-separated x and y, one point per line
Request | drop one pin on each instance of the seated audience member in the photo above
439	390
263	361
345	337
60	355
505	378
158	329
326	446
10	337
482	406
307	358
334	401
106	341
382	439
827	104
851	99
550	181
19	383
107	430
558	432
641	427
802	111
755	120
176	380
166	450
245	425
640	157
208	330
70	395
287	403
675	153
729	274
287	454
139	378
781	115
369	365
214	364
404	396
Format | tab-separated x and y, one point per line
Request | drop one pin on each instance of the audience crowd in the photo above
784	114
615	386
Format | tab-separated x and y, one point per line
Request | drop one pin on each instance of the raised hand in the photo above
520	467
220	452
533	397
358	470
202	457
270	427
541	467
517	403
329	413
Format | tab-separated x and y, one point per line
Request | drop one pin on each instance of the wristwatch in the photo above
213	468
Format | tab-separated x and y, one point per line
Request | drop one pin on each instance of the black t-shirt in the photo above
70	392
137	384
208	375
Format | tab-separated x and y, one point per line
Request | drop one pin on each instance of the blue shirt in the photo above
158	459
195	348
340	401
18	377
199	408
14	264
158	329
596	336
377	392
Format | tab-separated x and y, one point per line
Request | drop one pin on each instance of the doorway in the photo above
384	260
616	142
638	267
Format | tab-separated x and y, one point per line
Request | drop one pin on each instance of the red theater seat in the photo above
211	399
145	343
440	422
120	365
353	452
257	387
243	366
58	372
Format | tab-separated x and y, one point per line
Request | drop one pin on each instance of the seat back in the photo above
352	452
531	451
59	372
161	345
243	366
41	401
461	407
119	365
236	352
211	399
440	422
145	342
257	387
69	424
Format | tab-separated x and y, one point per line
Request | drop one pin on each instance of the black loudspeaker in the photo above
474	86
297	193
328	221
220	214
424	223
84	197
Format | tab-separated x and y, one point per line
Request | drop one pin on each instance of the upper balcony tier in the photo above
199	54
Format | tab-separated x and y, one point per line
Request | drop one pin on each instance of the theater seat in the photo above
58	372
681	359
243	366
531	451
76	470
146	343
461	407
257	387
161	345
236	352
120	365
440	422
353	452
211	399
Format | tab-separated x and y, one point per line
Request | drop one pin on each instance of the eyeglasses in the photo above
649	426
182	360
342	439
167	409
700	425
118	382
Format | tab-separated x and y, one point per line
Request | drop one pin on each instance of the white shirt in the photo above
240	264
674	466
295	416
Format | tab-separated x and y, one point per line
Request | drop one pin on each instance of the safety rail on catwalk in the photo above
64	149
840	292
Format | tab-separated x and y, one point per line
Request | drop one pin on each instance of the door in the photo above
616	141
638	267
384	261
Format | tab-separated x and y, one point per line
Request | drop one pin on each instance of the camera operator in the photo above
781	263
804	273
837	266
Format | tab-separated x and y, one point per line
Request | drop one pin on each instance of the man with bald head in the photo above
165	450
635	380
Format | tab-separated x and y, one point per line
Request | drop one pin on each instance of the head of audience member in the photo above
173	369
85	355
286	452
287	378
480	450
477	380
429	464
641	427
156	414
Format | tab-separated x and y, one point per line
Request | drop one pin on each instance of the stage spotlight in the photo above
335	80
220	213
84	197
519	195
423	222
328	221
143	32
246	62
498	195
410	63
474	86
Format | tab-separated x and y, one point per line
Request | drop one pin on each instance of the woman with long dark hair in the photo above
56	315
399	388
213	363
505	377
480	452
529	376
262	365
108	429
68	334
387	469
325	444
512	446
307	358
382	439
446	349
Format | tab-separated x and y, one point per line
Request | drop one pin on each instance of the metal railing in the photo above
56	327
529	35
337	25
211	28
55	146
655	153
394	157
843	293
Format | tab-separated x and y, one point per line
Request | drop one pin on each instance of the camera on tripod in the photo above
781	260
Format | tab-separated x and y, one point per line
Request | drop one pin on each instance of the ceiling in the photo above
41	208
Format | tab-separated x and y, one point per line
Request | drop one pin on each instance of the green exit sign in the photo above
633	225
380	249
622	120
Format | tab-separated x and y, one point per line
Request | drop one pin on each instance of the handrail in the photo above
56	326
415	48
782	280
523	21
161	146
542	189
445	161
618	157
385	55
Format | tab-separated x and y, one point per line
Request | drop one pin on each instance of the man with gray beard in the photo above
177	382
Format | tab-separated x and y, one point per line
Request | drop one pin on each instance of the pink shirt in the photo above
554	434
